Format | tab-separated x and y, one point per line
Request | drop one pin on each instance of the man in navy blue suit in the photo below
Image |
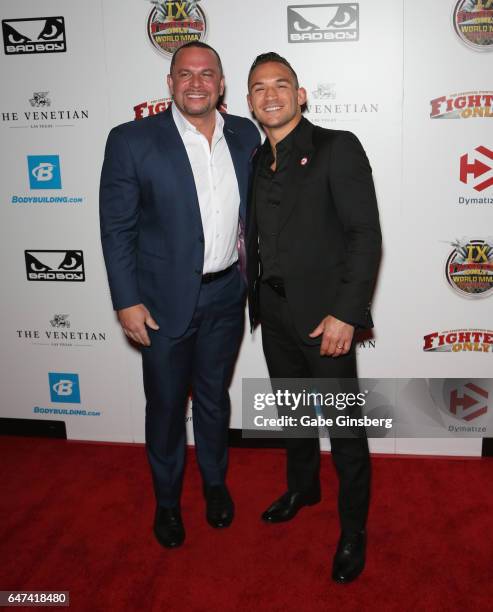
173	201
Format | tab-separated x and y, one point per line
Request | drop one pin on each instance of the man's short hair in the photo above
200	45
272	56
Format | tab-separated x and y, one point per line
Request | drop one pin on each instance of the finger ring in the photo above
339	346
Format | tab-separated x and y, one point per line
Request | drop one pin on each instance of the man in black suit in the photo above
313	247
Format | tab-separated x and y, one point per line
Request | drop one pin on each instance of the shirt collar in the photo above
183	125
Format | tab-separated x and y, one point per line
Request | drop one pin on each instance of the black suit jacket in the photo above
329	237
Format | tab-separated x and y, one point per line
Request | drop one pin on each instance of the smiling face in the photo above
274	98
196	82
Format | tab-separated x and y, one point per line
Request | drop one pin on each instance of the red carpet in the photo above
77	517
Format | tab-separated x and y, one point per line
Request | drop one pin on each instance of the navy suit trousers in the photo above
201	361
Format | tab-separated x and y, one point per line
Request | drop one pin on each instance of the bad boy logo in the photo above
473	23
323	22
35	35
173	23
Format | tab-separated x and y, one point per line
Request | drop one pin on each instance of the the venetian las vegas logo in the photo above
61	333
42	112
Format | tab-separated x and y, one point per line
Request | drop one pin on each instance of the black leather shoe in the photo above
220	508
287	506
168	527
349	559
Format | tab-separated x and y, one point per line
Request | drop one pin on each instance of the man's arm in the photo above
119	200
354	197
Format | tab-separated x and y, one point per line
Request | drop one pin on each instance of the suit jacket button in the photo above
198	271
201	239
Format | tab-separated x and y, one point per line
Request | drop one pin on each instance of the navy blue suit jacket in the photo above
151	228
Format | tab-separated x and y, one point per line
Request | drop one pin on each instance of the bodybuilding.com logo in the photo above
323	23
44	172
64	388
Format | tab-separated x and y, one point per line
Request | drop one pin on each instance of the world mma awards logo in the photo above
35	35
323	23
473	23
172	23
469	268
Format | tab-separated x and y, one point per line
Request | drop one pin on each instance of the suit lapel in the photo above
238	157
171	144
251	221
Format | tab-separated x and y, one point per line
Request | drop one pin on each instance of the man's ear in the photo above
221	86
301	96
169	80
249	103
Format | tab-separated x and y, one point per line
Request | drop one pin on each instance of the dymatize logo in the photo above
61	266
44	172
463	402
323	23
476	171
64	388
36	35
477	168
469	403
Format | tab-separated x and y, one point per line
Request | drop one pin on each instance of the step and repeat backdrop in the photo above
411	79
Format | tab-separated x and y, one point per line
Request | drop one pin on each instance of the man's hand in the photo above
337	336
134	320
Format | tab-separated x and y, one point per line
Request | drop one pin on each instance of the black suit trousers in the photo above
288	357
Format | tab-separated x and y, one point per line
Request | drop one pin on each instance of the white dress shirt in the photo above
217	191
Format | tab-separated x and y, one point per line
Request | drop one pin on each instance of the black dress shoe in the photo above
349	559
220	508
168	527
287	506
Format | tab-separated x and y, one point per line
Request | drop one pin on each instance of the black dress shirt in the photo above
268	198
